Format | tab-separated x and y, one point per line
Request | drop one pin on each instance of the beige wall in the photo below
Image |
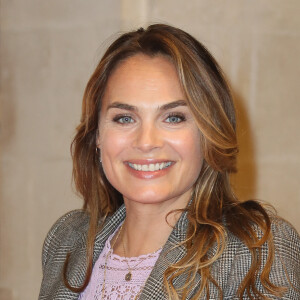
48	50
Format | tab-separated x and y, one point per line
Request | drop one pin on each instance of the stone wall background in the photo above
49	49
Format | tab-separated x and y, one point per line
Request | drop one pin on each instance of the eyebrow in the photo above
166	106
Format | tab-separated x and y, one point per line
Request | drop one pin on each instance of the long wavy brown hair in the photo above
210	101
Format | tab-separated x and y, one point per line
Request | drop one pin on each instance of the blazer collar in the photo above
153	288
77	261
109	227
171	253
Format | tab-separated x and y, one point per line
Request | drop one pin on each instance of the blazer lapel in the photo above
77	262
153	288
108	229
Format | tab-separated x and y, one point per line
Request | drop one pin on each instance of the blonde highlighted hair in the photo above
210	101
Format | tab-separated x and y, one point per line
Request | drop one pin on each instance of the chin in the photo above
146	198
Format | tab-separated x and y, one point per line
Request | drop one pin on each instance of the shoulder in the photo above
285	240
284	231
285	269
66	230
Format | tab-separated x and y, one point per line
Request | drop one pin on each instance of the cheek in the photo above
193	156
188	144
112	143
189	148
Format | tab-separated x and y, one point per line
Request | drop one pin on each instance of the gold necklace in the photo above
128	276
106	258
105	266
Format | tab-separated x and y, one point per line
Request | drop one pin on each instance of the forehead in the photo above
142	78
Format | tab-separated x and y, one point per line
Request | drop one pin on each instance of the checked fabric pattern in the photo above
68	235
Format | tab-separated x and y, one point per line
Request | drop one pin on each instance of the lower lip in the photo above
149	174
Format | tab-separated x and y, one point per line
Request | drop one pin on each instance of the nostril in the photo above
148	138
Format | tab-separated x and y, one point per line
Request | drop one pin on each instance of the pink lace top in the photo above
116	287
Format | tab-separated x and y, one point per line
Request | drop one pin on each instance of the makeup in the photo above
149	169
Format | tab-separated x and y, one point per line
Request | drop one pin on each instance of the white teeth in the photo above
150	167
145	168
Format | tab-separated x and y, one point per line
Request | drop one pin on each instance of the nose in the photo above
148	137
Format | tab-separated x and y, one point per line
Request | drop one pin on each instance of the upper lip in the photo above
147	161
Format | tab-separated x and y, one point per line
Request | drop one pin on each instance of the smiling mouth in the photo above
150	167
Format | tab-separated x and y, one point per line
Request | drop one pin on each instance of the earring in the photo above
98	152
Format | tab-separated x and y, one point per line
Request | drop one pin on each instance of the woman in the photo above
152	158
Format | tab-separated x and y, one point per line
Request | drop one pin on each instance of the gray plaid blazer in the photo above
68	235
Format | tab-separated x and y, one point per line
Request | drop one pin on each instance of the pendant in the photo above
128	276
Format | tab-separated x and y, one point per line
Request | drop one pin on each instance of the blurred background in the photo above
48	51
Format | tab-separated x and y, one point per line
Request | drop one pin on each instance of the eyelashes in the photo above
172	118
123	119
175	118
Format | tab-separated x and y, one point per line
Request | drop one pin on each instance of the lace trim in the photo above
116	287
134	259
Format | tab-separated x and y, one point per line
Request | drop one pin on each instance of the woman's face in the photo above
150	144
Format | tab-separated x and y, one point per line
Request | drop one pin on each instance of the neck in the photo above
147	226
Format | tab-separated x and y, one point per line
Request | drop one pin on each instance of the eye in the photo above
123	119
175	118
